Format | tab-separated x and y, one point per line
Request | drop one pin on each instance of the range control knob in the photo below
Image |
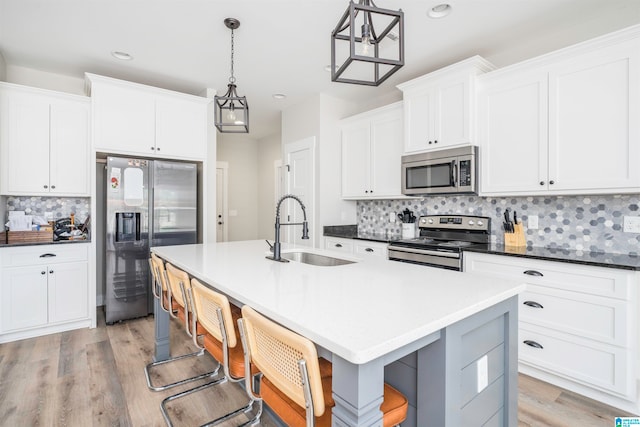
480	223
430	221
471	222
423	221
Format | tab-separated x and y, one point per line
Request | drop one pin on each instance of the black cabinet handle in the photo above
338	245
533	273
153	148
43	272
533	344
158	149
369	250
53	187
533	304
435	142
47	255
46	186
50	271
552	182
541	182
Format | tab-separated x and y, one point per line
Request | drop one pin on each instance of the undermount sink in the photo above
315	259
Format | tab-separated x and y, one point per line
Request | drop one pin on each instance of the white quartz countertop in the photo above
359	311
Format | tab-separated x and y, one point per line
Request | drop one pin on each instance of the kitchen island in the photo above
445	339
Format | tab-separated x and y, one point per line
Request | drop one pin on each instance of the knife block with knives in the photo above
513	231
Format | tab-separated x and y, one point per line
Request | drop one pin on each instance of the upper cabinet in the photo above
371	151
44	142
439	108
135	119
565	123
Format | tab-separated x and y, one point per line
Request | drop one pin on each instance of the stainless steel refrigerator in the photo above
149	203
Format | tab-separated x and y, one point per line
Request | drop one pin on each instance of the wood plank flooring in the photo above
95	377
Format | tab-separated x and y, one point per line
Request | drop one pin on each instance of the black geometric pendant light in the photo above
367	43
231	110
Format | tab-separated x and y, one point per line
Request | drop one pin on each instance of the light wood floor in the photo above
95	377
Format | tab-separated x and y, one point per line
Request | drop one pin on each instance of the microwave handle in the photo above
454	173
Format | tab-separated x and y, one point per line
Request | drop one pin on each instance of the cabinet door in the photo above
356	160
181	128
386	153
452	114
513	133
124	120
25	144
69	148
594	138
24	298
68	292
419	121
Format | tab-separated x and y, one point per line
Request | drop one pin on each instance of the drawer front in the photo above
583	315
339	245
43	254
371	250
607	282
588	362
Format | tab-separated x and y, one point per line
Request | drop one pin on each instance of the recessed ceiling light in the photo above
123	56
279	96
439	11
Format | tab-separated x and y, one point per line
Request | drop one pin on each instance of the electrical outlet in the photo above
532	222
483	373
631	224
392	217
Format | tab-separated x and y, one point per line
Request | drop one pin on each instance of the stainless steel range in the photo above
442	239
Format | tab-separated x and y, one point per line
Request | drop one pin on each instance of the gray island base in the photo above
462	374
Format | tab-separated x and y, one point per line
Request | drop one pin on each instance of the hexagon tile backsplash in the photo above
60	207
584	223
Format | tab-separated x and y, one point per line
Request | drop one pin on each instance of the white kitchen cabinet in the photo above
563	123
371	152
439	107
135	119
577	323
44	142
43	289
360	248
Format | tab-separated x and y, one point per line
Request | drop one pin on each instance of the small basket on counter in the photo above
35	236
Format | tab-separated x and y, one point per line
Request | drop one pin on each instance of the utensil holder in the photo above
515	239
408	230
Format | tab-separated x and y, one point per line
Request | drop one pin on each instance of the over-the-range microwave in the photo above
447	171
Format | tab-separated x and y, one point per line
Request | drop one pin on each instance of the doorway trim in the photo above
224	166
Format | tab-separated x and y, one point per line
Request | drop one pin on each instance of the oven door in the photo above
434	258
430	176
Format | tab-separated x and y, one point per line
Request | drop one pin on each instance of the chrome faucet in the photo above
305	226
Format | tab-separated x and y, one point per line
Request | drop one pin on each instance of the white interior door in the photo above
300	181
222	172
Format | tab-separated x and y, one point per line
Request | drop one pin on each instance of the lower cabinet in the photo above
577	324
43	289
361	248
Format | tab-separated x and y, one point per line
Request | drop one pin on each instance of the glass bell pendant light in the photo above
231	110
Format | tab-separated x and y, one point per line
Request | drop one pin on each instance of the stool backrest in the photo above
158	270
276	352
207	302
176	277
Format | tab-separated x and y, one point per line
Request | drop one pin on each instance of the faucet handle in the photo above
270	245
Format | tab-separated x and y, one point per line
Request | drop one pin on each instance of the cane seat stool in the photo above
169	288
217	317
295	378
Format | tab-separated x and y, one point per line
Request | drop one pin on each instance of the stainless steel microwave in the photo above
447	171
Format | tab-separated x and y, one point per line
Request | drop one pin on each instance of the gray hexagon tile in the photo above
60	207
584	223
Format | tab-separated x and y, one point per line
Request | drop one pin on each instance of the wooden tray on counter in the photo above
13	237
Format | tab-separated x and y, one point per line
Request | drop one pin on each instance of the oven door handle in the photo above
454	173
424	252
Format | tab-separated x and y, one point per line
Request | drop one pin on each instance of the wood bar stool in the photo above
218	318
294	378
167	283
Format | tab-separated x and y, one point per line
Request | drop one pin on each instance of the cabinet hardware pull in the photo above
366	191
430	142
435	142
50	271
153	148
47	255
533	273
533	304
45	186
53	187
533	344
541	182
552	182
43	272
369	250
338	245
158	149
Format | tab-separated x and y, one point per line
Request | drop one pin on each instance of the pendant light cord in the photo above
232	79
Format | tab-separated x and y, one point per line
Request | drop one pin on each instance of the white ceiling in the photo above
282	46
